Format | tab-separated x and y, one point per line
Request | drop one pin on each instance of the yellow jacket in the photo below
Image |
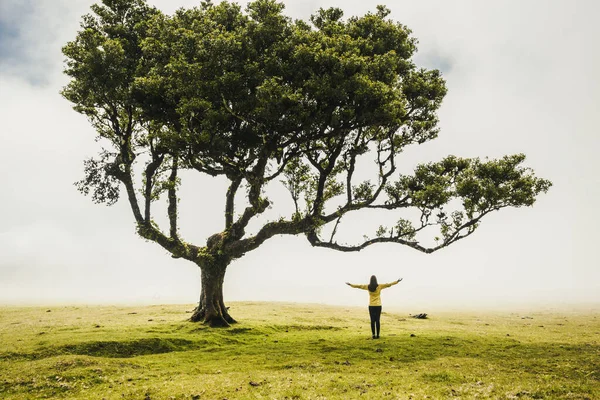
375	297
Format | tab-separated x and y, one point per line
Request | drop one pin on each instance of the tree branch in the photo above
257	205
230	201
203	168
334	231
125	177
150	170
470	226
145	229
352	152
240	247
290	155
172	195
324	173
316	242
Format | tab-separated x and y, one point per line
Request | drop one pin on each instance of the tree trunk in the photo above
211	309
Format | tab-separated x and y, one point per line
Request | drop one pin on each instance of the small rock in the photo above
378	350
346	362
195	397
150	320
48	310
413	335
508	334
252	383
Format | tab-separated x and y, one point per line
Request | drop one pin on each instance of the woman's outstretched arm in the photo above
357	286
386	285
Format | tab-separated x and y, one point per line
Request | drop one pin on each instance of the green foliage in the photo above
405	229
480	186
102	63
364	191
381	231
100	179
263	83
253	96
297	178
333	188
225	88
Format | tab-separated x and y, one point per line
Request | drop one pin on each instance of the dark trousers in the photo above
375	314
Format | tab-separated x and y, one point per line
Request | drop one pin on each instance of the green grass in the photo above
288	351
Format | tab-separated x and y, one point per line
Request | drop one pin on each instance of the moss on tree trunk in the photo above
211	308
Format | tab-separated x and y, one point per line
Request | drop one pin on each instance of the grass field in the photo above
290	351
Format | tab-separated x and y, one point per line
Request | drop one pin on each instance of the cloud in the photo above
31	34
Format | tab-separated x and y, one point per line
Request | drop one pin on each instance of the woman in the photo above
374	301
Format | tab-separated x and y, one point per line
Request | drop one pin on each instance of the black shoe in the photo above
374	337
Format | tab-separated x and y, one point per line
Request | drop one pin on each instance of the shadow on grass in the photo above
111	349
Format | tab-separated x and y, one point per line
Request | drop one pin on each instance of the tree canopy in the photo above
256	97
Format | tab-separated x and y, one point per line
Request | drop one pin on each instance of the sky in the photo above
521	79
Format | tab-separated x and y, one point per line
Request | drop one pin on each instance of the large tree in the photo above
258	99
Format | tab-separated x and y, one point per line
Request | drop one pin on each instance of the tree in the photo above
257	98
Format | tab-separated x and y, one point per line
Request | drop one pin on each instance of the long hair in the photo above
373	284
